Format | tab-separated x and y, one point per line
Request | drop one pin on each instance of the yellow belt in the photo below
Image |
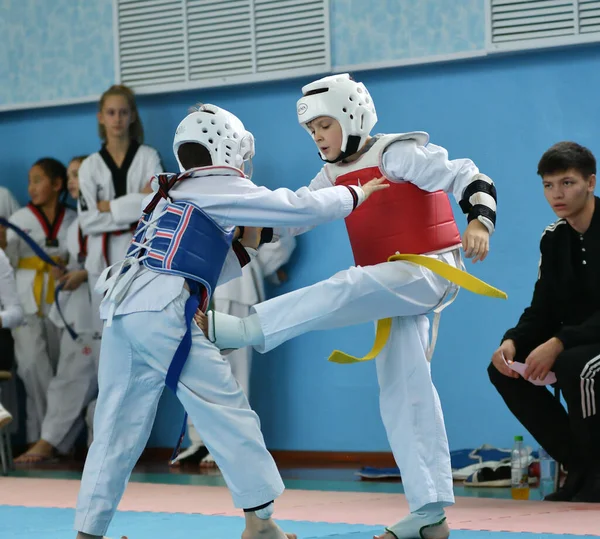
40	267
448	272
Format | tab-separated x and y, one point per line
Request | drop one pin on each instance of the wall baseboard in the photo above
301	459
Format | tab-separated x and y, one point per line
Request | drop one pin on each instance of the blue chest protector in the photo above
188	243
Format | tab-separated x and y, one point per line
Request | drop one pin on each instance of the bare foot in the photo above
202	321
208	463
39	452
386	535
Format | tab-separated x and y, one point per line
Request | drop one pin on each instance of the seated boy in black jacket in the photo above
560	330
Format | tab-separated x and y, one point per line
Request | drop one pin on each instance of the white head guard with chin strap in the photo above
348	101
221	133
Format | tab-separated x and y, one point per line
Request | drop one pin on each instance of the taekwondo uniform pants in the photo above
571	437
36	354
131	380
240	361
409	403
71	390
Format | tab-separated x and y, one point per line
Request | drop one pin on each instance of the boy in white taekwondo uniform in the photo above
414	216
180	250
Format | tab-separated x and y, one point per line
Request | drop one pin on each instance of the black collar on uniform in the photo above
119	175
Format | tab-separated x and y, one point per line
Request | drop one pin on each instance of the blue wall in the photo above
502	112
62	49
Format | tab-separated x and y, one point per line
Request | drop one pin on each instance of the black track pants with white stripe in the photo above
571	437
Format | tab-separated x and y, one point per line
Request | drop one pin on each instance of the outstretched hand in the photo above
373	186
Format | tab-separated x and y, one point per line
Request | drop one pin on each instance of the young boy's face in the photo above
567	192
327	134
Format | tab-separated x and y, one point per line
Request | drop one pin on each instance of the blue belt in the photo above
182	353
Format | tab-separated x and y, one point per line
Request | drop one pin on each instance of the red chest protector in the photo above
403	218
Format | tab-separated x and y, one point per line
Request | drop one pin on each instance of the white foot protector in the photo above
421	526
229	332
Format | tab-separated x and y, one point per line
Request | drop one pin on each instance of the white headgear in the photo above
220	132
347	101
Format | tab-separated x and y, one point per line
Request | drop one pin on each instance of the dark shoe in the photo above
572	485
590	492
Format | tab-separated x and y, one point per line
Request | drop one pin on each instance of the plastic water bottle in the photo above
547	473
519	467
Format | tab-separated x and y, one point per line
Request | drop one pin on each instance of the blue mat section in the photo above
37	523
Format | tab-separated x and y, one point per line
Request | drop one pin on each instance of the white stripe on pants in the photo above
135	354
588	393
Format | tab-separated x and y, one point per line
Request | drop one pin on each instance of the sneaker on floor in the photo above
192	455
573	484
492	477
590	492
5	417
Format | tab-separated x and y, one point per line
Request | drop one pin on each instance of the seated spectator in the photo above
560	330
